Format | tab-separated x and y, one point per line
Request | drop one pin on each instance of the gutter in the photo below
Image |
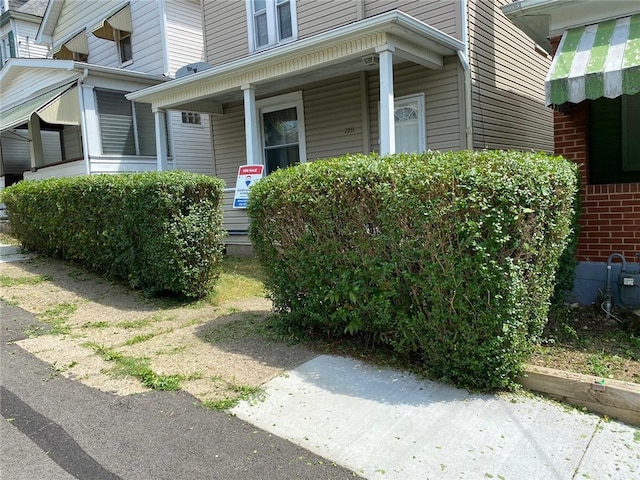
463	55
388	22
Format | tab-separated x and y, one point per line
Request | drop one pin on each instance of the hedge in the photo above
158	231
447	255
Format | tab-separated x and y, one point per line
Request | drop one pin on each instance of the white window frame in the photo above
119	34
281	102
272	25
193	119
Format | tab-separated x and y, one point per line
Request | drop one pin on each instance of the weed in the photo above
141	338
57	317
242	392
597	367
172	351
35	330
97	325
136	367
7	281
12	302
143	322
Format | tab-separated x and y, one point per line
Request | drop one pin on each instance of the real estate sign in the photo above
247	176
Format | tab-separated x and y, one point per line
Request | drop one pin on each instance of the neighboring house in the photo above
67	115
298	80
19	22
594	87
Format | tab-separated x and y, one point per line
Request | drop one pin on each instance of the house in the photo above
19	22
593	86
67	115
297	80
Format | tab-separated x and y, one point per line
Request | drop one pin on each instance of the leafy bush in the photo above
159	231
448	255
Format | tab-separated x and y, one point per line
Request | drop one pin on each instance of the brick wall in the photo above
610	220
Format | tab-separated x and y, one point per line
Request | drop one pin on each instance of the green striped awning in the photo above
599	60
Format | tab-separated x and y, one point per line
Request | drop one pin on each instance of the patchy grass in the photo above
136	367
247	325
240	278
240	393
7	281
143	322
8	239
57	317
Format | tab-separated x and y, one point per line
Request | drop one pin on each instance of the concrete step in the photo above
9	249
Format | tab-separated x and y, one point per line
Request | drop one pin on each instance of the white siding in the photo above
184	33
26	32
508	83
26	85
146	39
192	144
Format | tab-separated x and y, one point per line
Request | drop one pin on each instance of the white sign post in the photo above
247	176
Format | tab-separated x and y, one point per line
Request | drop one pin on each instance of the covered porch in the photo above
332	93
63	118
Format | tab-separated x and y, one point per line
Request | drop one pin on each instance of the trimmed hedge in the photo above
448	255
159	231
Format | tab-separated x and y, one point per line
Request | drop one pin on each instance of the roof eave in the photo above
390	22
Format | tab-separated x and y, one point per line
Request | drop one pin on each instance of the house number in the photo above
350	130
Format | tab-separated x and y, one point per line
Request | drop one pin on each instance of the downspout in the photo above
83	121
163	36
463	55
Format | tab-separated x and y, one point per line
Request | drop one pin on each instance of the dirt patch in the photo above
95	324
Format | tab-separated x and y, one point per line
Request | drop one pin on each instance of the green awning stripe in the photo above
593	61
594	80
631	59
562	65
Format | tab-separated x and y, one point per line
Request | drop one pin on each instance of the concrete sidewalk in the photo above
385	424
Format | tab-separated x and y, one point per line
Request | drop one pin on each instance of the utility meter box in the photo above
629	288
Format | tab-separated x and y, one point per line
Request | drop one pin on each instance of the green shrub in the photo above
448	255
159	231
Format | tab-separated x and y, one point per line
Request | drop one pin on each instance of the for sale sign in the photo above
247	176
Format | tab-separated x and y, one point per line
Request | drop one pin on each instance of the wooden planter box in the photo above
614	398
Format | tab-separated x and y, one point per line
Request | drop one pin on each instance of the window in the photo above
271	22
117	28
126	128
614	140
409	119
123	41
191	118
282	132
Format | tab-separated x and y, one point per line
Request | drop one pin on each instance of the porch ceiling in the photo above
326	55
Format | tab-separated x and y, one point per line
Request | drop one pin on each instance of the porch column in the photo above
35	142
387	122
251	125
161	139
